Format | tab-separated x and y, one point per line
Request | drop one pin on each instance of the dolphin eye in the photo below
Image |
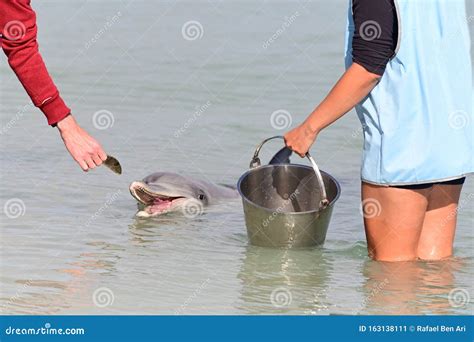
201	196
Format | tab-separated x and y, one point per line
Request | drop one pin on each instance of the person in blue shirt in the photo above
409	76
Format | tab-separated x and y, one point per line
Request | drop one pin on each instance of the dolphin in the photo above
163	192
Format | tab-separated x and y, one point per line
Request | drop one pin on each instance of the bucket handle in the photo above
255	162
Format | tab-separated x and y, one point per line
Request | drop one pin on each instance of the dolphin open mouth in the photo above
154	203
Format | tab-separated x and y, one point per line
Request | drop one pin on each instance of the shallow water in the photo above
197	107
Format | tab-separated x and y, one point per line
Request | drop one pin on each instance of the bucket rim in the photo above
331	203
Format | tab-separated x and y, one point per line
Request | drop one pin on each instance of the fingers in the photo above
296	149
85	150
102	154
97	154
299	141
301	154
90	163
93	159
97	160
82	163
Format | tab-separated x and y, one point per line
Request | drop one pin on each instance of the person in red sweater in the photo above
18	33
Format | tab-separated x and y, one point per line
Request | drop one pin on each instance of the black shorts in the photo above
457	181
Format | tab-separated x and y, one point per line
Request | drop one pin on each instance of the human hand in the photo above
85	150
300	139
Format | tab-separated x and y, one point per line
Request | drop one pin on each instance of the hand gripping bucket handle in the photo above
255	162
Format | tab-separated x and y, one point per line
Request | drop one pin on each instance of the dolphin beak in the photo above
154	202
142	193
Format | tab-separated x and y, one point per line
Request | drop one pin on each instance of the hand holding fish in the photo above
85	150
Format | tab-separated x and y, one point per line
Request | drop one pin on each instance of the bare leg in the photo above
437	235
393	219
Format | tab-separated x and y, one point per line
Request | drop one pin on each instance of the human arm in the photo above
373	45
18	40
353	86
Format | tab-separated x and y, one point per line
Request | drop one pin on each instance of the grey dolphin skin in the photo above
164	192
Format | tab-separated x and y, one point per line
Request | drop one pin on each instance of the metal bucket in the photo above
287	205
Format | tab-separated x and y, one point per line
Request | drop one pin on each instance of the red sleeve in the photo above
18	40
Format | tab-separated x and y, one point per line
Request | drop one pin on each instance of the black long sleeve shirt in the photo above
375	33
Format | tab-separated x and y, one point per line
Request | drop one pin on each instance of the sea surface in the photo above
192	87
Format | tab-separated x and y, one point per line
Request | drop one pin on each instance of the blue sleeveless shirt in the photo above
418	121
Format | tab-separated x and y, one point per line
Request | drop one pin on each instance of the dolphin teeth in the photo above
141	193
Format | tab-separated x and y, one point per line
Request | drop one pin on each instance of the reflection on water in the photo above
284	281
316	281
409	288
40	296
144	232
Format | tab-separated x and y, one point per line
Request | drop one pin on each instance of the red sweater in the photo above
18	40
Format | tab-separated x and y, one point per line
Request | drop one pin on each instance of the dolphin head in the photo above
163	192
